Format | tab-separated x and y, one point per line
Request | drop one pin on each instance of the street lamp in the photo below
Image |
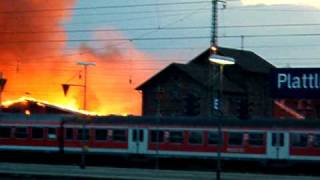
83	154
85	66
221	61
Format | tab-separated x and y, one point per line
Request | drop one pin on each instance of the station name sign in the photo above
295	83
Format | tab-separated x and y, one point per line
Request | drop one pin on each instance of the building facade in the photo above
189	89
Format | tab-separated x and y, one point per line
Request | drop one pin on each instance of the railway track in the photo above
40	171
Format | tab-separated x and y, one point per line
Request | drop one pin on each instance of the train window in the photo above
135	135
278	139
101	134
83	134
21	132
235	138
316	140
69	134
52	135
37	133
137	132
5	132
176	137
195	137
299	140
119	135
213	137
256	139
140	135
157	136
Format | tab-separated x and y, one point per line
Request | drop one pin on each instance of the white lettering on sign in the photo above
303	81
282	78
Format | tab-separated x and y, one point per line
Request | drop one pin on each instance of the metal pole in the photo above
218	173
214	19
83	154
83	136
85	88
242	42
157	129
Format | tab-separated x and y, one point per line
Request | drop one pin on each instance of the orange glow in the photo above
39	69
42	103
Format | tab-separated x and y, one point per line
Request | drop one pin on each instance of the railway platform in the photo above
41	171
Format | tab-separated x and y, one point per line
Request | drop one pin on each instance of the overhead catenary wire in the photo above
106	7
77	40
161	28
131	12
164	38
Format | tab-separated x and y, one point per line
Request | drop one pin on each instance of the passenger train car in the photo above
165	137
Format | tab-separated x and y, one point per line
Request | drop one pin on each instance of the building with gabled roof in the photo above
186	89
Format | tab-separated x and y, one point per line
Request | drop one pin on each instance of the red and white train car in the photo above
167	137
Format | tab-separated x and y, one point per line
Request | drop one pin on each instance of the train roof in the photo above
161	121
198	121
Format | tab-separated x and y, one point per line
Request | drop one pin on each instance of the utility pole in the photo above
214	19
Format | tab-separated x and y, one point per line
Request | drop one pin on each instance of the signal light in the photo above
216	104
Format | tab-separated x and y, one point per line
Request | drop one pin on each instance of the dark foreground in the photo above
136	162
41	171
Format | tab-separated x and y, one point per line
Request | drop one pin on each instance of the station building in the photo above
188	89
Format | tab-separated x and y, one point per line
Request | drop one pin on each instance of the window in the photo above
21	132
176	137
119	135
235	138
83	134
52	135
69	134
213	138
278	139
316	141
137	132
37	133
157	136
298	140
101	134
256	139
5	132
195	137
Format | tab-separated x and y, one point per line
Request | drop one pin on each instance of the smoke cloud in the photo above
36	66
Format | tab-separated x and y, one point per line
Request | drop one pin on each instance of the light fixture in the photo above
222	60
214	49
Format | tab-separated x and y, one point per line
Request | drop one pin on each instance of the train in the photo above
178	137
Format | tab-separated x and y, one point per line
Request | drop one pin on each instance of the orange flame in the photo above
39	69
42	103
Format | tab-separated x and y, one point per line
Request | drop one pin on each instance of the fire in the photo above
39	69
24	100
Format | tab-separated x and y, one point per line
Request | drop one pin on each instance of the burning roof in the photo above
37	57
29	105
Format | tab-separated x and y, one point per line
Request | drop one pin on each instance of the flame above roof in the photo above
32	105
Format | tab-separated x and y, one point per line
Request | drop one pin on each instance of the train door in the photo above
138	141
278	145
